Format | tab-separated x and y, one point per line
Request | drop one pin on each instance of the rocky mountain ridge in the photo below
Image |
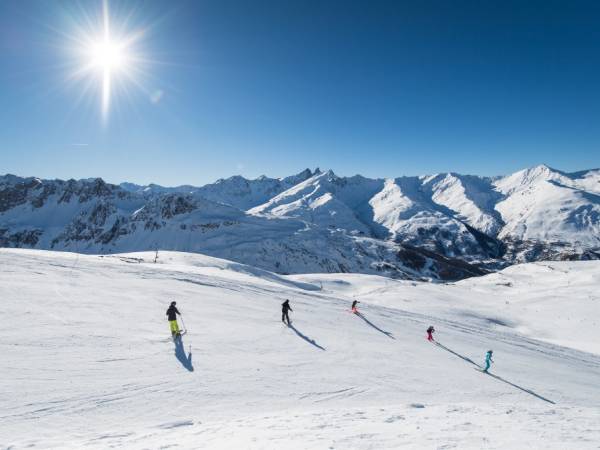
443	226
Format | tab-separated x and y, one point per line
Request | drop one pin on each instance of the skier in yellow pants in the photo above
172	313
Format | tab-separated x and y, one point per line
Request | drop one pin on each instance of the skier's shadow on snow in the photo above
306	338
529	391
368	322
185	360
469	360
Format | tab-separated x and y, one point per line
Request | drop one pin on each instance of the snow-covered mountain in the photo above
244	194
469	217
91	216
441	226
547	206
236	191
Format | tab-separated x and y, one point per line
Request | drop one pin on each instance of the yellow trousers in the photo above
174	326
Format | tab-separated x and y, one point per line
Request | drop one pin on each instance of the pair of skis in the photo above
177	336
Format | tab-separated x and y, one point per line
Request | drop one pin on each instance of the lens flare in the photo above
107	55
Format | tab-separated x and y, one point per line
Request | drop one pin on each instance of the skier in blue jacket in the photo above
488	360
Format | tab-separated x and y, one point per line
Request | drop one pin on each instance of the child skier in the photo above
430	332
354	308
488	360
285	308
172	313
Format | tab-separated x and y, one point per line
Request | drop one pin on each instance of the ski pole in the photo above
183	323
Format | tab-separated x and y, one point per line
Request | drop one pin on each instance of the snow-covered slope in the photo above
471	199
545	205
588	180
88	363
413	211
327	200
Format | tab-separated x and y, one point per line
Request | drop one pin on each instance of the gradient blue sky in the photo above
250	87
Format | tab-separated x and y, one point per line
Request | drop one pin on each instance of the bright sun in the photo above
108	56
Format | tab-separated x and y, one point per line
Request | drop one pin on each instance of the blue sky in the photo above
378	88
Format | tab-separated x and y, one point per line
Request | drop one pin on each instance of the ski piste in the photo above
359	370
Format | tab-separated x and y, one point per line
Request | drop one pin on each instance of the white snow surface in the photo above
88	361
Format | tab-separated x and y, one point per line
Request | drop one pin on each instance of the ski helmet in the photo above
173	303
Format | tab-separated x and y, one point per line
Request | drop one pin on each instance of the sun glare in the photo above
108	57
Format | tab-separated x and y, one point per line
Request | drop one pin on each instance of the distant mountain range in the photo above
442	227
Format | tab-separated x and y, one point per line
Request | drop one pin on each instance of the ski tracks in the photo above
320	397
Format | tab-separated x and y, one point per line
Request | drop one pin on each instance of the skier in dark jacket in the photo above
354	308
430	332
172	313
285	308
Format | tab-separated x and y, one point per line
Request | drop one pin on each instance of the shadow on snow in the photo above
368	322
185	360
529	391
306	338
469	360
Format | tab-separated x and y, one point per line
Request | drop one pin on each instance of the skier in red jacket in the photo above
430	332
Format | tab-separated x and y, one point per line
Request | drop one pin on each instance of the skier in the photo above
285	308
354	309
488	360
430	332
172	313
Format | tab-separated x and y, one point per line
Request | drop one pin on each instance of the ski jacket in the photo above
172	312
285	307
488	358
354	303
430	330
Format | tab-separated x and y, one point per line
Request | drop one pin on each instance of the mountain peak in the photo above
542	169
330	174
306	173
527	177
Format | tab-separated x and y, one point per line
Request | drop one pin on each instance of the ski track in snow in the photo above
97	369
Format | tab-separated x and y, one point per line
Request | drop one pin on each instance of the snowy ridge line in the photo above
438	227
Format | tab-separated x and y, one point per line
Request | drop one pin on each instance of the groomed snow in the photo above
88	361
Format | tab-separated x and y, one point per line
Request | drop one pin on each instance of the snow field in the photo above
89	363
